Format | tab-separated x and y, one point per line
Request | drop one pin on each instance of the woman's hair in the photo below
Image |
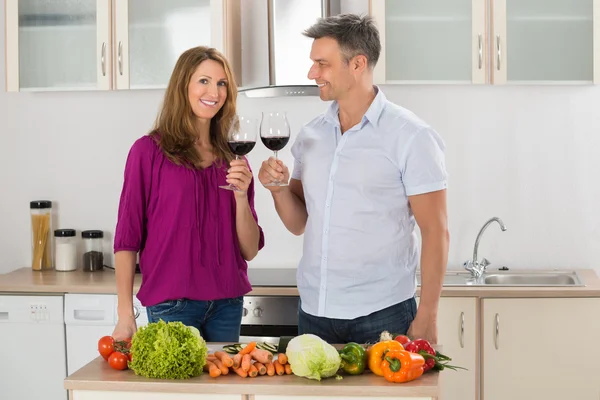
175	128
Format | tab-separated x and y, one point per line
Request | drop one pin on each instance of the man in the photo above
365	172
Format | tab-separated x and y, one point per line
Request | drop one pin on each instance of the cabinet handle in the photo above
497	333
461	336
480	50
120	58
103	59
498	52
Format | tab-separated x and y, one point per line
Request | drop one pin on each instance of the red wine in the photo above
241	148
275	143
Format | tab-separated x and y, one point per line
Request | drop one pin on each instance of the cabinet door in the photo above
431	41
152	34
541	349
550	41
57	45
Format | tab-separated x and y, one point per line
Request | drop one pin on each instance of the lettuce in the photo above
312	357
168	351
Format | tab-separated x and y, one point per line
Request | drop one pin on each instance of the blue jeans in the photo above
217	321
366	329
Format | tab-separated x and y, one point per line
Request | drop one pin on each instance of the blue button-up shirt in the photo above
360	245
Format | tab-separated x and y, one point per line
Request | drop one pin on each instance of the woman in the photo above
193	238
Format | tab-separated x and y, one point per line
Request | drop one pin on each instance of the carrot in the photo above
282	358
261	368
224	357
219	364
212	369
237	360
253	371
288	369
279	369
246	361
270	369
240	372
246	350
262	356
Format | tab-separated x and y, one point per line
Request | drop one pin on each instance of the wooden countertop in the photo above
25	280
99	376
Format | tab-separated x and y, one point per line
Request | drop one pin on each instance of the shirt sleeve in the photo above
296	151
424	167
261	239
131	227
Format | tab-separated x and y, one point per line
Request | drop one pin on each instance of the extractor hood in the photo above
275	53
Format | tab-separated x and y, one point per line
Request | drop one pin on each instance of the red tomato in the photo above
106	346
118	360
402	339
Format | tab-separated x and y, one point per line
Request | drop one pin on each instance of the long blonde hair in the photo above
174	128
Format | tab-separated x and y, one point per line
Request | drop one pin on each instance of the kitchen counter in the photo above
98	381
25	280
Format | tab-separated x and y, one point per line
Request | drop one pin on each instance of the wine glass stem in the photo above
275	151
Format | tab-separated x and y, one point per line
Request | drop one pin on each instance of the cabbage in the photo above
168	350
312	357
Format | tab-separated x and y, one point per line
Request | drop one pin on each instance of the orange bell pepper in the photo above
402	366
378	351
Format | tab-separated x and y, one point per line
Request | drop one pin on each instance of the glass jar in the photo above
93	256
65	250
41	235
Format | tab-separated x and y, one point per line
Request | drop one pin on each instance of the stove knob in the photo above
245	312
258	312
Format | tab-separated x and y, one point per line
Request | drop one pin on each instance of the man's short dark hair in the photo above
356	35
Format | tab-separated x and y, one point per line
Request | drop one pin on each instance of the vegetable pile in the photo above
251	361
168	350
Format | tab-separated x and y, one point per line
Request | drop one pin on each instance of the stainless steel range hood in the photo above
275	53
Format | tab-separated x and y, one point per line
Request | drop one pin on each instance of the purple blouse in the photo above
183	226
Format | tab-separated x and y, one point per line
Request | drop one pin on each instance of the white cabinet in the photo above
485	41
540	349
458	334
110	44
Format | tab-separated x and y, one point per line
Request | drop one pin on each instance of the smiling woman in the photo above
193	239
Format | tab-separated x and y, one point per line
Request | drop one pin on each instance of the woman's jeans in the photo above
217	321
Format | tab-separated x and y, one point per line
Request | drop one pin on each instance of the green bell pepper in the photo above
354	358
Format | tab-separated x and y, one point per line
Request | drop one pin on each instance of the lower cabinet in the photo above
538	348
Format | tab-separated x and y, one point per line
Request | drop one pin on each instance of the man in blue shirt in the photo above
366	172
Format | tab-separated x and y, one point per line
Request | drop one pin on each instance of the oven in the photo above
268	318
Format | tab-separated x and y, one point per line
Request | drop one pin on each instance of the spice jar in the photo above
41	234
65	250
93	257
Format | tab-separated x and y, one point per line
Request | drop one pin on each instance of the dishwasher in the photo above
32	354
88	317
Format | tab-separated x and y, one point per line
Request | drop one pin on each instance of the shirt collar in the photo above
372	115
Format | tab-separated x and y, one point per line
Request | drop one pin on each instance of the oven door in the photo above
268	318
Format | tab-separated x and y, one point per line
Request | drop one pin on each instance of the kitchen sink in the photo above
495	279
533	279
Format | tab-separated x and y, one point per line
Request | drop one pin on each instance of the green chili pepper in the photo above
354	358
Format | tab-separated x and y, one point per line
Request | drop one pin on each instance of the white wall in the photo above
525	154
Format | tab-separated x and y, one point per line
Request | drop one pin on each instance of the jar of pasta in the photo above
41	235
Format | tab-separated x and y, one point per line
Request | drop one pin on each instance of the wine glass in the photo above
241	139
275	134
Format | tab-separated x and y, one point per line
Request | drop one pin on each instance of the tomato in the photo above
118	360
106	346
402	339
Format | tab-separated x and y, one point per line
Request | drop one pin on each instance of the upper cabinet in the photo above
110	44
488	41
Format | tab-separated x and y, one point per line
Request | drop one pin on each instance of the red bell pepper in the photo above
433	359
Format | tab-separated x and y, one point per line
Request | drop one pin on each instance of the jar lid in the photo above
65	233
40	204
92	234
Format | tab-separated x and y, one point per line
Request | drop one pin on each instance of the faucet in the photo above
475	267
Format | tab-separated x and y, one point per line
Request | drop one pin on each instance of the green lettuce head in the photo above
312	357
170	350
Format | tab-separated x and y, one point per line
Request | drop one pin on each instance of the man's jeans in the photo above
366	329
217	321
